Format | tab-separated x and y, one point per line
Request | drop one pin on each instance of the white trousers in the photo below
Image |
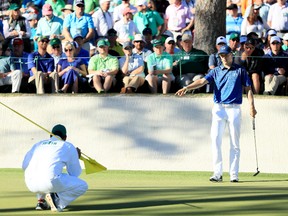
67	187
226	115
13	79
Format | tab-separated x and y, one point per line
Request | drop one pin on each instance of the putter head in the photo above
255	174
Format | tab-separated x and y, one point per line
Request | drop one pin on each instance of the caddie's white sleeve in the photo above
73	165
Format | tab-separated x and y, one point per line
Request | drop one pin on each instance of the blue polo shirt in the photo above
228	83
78	26
21	63
41	63
84	55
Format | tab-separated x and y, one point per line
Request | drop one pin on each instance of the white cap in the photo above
221	39
271	32
285	37
168	40
141	2
102	1
275	38
138	37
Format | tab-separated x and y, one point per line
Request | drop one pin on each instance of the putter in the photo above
257	170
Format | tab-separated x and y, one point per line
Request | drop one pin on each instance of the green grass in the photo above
157	193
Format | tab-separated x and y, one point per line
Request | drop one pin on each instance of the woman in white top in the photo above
254	23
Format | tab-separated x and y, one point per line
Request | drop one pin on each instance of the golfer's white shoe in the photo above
53	200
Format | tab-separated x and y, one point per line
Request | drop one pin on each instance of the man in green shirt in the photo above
103	67
159	66
192	63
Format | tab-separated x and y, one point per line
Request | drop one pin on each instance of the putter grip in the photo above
253	123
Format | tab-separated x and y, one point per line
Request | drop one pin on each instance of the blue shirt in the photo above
233	25
21	63
78	26
228	83
41	63
84	55
48	27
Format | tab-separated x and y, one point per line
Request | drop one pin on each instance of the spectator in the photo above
57	52
285	43
254	23
79	51
79	23
233	21
68	9
126	28
193	63
90	6
70	69
278	17
148	18
41	67
263	11
8	73
175	18
49	25
243	39
20	60
270	33
115	48
147	33
118	12
251	60
16	26
102	19
103	67
33	22
159	66
49	180
275	65
214	59
132	67
36	3
170	47
234	42
57	6
139	47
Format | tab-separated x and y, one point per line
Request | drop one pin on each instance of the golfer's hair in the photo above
60	134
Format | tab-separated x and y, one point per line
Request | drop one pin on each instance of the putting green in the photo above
157	193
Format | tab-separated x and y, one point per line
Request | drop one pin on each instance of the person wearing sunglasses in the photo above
70	69
103	67
170	47
41	67
234	43
56	52
275	67
132	67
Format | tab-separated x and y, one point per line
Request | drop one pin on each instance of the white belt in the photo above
228	105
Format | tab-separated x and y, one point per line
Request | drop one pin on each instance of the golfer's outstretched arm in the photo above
250	97
195	85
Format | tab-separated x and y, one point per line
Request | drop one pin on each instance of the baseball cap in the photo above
138	37
232	7
59	128
167	33
32	17
275	38
55	41
243	38
146	31
77	36
47	9
221	39
79	2
224	50
17	41
103	42
186	37
285	37
251	41
271	32
168	40
14	6
102	1
128	10
141	2
68	7
111	32
256	7
127	44
234	36
157	43
43	37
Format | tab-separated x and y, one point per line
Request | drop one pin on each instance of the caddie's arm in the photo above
195	85
250	97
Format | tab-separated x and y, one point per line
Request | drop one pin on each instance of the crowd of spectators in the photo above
128	46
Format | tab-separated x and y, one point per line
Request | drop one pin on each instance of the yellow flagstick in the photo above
91	165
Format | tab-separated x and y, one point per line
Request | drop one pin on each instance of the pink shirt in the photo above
177	16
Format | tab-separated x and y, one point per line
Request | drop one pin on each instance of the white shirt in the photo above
102	22
118	11
125	31
135	61
278	16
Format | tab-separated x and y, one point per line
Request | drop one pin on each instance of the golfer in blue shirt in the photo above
229	78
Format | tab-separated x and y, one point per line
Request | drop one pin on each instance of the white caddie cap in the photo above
221	39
